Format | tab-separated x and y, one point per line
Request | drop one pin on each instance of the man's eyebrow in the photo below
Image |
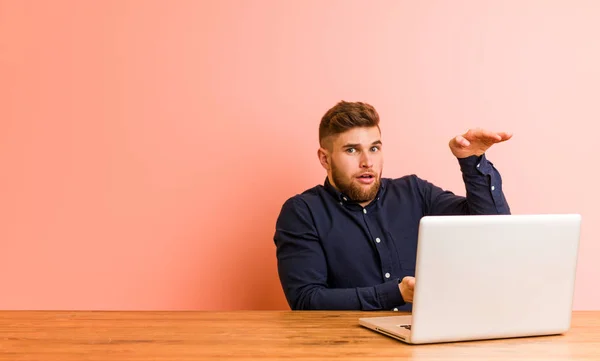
357	145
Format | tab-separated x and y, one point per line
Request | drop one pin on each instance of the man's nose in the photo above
366	161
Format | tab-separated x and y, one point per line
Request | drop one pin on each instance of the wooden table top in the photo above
240	335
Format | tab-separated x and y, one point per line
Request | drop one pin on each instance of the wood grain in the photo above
241	335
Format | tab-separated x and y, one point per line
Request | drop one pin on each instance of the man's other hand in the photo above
476	142
407	288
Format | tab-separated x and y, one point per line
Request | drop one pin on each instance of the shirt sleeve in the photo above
484	194
302	268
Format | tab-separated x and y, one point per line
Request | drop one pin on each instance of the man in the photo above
351	243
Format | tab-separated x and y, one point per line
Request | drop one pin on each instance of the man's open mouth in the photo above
366	178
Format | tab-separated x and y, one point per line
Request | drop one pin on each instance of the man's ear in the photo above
323	155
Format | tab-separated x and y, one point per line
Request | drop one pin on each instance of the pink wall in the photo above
147	146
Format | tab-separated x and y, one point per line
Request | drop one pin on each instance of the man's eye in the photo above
374	149
350	150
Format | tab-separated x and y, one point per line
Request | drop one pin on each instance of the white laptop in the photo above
488	277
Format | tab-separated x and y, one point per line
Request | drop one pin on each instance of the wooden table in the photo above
201	335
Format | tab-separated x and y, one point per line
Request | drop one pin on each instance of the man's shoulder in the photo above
302	205
306	197
404	181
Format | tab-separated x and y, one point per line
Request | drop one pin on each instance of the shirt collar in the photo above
334	192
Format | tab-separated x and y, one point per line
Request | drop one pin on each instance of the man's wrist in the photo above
474	164
400	291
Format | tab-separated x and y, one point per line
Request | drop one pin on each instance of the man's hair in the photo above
345	116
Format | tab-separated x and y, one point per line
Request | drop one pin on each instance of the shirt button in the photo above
377	240
341	203
493	187
387	275
395	309
345	198
364	211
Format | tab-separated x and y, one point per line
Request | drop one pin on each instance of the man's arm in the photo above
483	182
483	185
302	268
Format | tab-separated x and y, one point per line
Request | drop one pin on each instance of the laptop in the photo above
489	277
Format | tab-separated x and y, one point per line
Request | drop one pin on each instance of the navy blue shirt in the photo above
334	254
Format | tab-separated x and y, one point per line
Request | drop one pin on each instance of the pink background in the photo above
147	146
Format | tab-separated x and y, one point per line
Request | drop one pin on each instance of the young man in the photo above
351	243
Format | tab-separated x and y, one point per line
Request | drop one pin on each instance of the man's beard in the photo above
355	191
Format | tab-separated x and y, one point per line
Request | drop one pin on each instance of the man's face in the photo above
355	162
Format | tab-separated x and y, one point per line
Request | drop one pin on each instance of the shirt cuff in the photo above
475	165
389	294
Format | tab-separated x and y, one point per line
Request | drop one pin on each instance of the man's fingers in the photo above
493	136
486	135
505	135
